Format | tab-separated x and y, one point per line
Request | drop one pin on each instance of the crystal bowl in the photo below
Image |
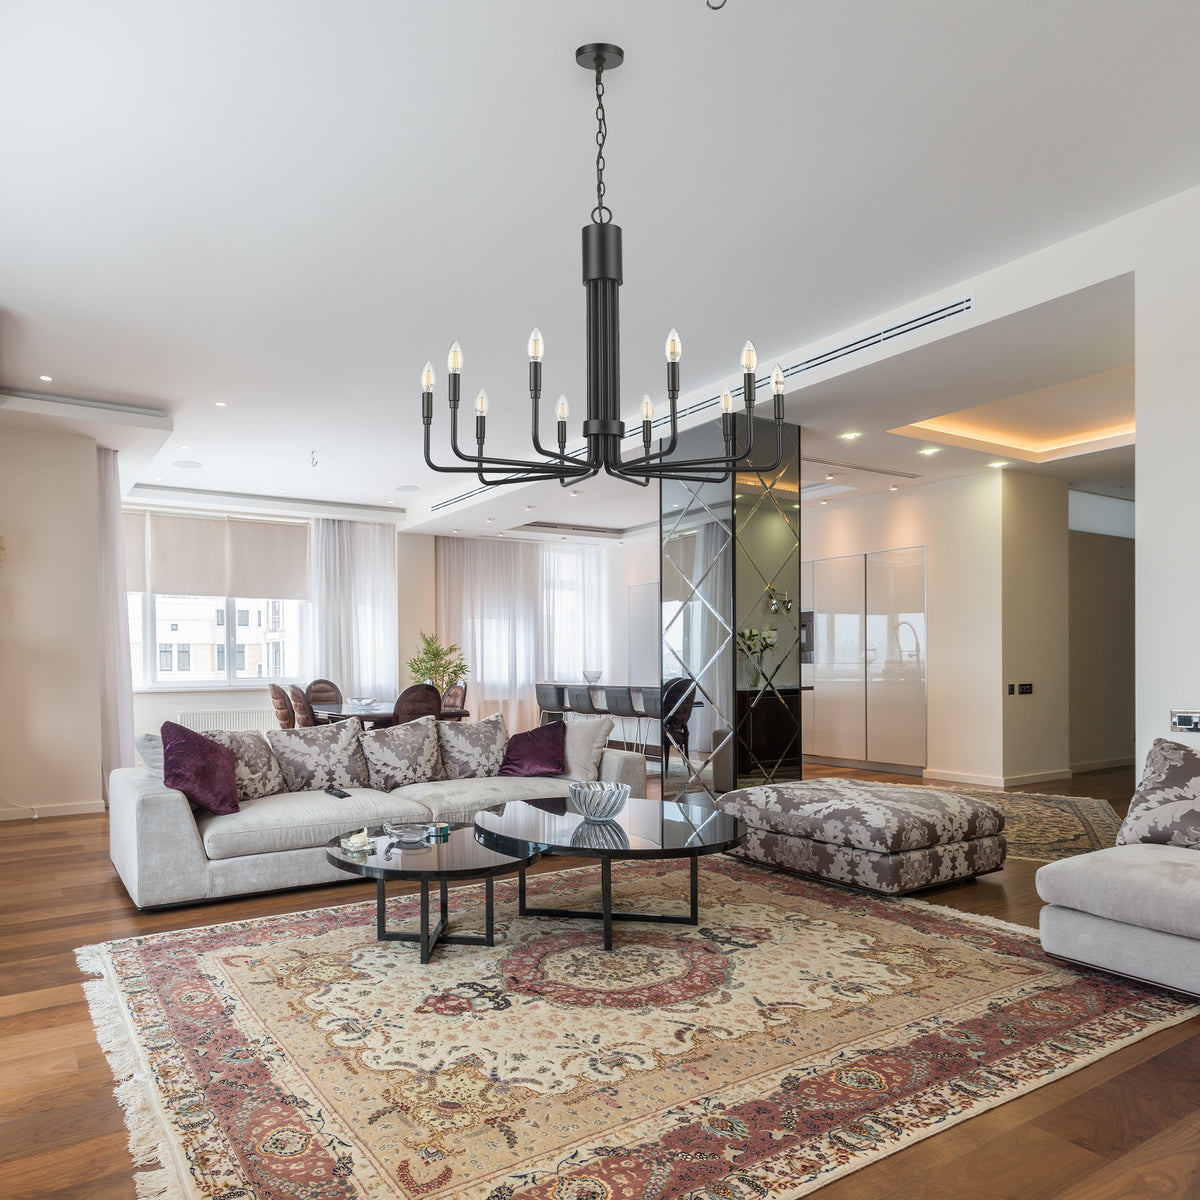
593	677
407	831
600	835
597	801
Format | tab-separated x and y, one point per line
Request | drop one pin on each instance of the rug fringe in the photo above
149	1144
1029	931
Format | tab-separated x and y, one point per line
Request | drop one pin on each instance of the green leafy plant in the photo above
440	665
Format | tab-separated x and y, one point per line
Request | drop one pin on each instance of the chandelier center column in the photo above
602	279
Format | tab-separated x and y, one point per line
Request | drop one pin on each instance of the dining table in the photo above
376	714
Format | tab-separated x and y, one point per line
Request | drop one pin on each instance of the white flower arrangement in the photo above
756	642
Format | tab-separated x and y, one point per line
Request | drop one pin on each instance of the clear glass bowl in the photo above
593	677
407	831
597	801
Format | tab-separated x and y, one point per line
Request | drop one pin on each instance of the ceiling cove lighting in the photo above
603	428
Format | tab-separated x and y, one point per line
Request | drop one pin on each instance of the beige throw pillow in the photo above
403	754
583	746
321	756
1166	806
473	749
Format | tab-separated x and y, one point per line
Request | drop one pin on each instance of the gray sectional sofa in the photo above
167	852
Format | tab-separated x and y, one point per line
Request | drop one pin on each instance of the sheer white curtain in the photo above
574	611
488	602
354	603
116	697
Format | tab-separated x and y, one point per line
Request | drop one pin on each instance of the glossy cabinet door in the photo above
839	695
895	656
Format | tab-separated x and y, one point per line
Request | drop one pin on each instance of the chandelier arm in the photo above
486	460
537	444
531	471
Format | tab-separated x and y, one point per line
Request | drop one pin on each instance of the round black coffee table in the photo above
684	828
460	856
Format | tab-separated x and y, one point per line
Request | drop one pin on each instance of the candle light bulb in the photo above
428	378
726	401
454	360
562	409
674	347
749	357
647	409
536	345
777	380
481	403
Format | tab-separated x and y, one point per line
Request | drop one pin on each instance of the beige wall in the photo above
1034	628
151	709
1101	647
959	524
49	625
416	606
636	562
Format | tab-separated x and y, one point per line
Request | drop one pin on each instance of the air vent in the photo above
596	531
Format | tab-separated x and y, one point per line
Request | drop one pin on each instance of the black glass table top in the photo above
461	856
643	829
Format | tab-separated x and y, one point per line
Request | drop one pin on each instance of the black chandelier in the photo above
603	429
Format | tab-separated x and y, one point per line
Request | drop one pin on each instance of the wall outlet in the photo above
1025	689
1012	689
1185	720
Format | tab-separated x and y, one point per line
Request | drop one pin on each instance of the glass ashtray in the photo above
407	831
351	847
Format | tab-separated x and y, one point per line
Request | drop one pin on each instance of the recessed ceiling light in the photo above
188	464
456	531
499	535
894	488
573	495
929	450
824	501
222	404
738	496
674	505
620	543
829	477
408	487
490	520
185	447
795	506
46	378
562	539
998	464
158	479
529	508
283	491
391	502
849	437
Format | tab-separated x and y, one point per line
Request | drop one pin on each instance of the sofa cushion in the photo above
536	752
256	768
1166	806
321	756
1151	886
461	799
200	768
583	746
402	754
150	750
299	820
472	749
871	816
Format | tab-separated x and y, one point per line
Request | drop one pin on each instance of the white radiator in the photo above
261	719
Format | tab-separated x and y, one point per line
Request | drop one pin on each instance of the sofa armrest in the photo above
153	840
624	766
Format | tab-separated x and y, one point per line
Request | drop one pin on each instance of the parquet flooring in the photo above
1127	1127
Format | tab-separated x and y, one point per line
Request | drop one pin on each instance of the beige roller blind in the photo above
267	559
133	529
187	556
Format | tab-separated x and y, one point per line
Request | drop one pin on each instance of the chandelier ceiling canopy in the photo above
603	428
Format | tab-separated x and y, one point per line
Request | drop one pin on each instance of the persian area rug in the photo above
799	1033
1047	828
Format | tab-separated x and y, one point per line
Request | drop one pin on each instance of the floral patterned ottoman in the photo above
881	837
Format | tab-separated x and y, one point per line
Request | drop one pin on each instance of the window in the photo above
210	641
259	621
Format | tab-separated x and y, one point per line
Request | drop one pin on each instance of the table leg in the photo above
489	917
424	921
445	904
695	889
606	900
521	893
380	908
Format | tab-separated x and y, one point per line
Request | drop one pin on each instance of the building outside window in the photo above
243	616
220	616
165	657
183	656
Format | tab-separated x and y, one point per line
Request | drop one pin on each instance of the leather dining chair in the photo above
678	697
454	702
323	691
305	717
420	700
285	714
550	702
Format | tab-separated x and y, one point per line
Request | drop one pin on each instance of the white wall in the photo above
635	562
1100	514
959	523
49	625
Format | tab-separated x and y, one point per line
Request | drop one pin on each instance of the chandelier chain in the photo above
601	214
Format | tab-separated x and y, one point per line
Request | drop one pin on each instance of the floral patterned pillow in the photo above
402	754
473	749
256	768
1166	806
321	756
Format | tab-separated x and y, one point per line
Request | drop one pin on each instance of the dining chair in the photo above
550	702
678	697
305	717
454	702
285	714
323	691
619	702
420	700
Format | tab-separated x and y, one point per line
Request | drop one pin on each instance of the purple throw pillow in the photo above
203	770
536	752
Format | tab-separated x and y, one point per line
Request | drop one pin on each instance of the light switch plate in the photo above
1185	720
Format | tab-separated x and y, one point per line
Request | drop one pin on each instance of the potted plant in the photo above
437	664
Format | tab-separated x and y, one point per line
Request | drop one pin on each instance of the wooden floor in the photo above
1127	1127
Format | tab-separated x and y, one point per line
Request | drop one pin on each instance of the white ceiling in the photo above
290	205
